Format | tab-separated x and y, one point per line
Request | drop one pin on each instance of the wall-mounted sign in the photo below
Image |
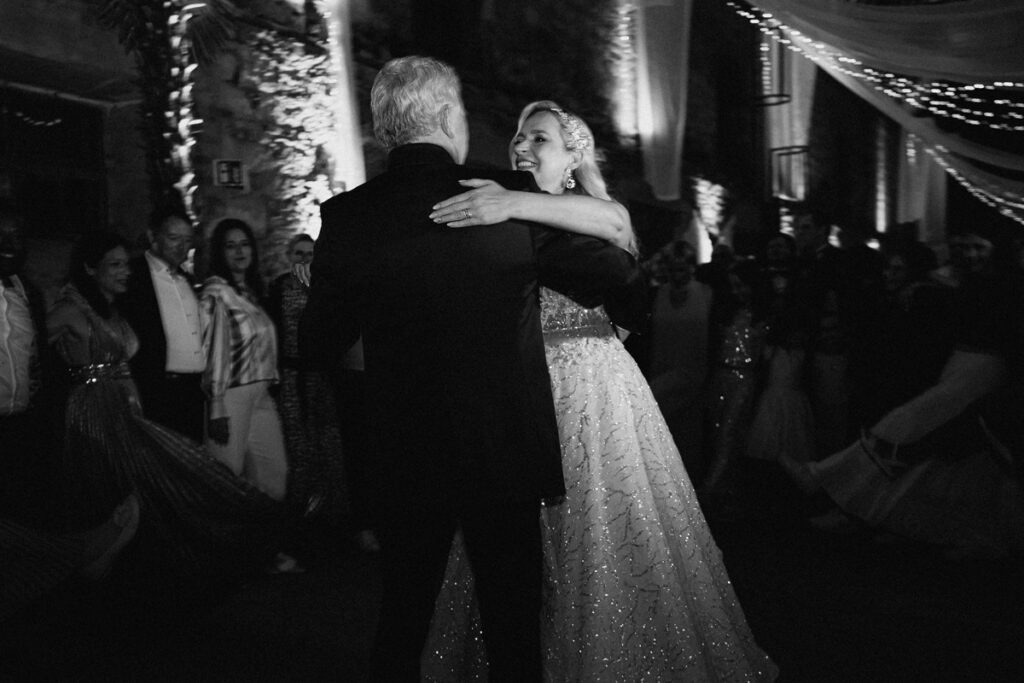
229	173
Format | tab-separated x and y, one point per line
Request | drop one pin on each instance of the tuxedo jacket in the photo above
139	306
458	394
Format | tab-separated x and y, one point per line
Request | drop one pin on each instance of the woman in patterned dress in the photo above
635	585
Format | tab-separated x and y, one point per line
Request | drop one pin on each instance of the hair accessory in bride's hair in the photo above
579	137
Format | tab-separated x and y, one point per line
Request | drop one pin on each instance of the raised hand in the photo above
486	204
301	273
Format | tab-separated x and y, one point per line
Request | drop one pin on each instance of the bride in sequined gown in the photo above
197	518
635	587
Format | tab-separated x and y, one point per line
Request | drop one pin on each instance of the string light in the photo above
710	200
1008	205
32	120
623	57
943	99
975	104
180	114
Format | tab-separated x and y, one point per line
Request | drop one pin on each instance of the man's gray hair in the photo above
409	97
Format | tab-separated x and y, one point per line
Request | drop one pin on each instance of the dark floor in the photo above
825	607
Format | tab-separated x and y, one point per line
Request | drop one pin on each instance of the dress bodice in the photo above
111	340
560	315
740	345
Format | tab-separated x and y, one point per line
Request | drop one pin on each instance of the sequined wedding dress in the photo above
635	587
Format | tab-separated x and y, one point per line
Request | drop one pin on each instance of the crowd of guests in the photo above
882	377
187	425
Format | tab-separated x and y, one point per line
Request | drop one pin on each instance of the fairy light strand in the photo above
961	102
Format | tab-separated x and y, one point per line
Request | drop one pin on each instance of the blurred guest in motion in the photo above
316	482
197	516
34	563
782	428
679	334
161	306
244	430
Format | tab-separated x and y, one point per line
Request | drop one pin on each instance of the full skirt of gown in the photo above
635	587
197	517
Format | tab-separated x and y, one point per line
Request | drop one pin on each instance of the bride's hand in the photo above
301	273
488	203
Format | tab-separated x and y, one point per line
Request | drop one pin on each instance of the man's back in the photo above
454	356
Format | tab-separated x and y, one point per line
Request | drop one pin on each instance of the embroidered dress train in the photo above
635	587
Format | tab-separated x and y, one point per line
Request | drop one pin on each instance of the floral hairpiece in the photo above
579	137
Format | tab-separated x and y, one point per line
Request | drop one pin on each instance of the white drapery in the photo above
922	190
349	166
975	40
965	42
663	65
788	123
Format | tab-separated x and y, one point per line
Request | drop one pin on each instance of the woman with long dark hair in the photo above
244	429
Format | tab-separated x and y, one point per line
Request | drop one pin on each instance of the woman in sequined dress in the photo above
197	518
635	587
734	379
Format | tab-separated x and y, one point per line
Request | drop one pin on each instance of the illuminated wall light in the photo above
624	98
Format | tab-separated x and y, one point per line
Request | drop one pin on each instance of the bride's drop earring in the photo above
570	181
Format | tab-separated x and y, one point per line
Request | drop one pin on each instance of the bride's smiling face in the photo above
538	147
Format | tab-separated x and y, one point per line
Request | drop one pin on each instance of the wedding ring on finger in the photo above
466	214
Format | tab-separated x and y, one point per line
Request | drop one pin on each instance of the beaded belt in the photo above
599	331
90	374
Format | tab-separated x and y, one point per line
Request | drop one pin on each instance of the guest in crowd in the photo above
244	429
820	288
161	307
196	515
316	481
916	337
782	428
678	344
738	340
25	461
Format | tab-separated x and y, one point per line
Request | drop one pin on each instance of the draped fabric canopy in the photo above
968	42
974	40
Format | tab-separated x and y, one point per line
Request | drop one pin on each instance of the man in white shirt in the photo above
24	462
162	308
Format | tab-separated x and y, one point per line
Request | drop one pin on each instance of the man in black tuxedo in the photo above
162	308
458	395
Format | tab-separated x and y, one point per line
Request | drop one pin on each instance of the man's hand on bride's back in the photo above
486	204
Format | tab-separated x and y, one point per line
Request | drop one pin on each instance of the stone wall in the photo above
266	103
